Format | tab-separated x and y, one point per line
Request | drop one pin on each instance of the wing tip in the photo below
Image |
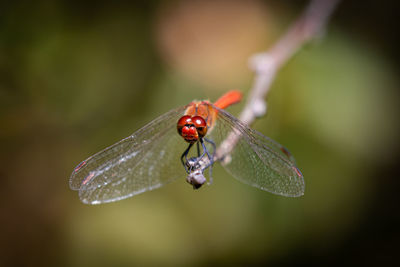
72	185
76	170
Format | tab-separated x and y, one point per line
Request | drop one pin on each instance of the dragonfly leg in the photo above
211	158
210	164
192	163
199	157
195	160
214	149
184	155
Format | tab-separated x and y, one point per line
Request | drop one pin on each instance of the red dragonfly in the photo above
149	158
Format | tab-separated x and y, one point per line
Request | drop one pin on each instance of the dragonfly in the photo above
183	142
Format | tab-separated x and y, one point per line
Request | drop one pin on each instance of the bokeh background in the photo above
76	77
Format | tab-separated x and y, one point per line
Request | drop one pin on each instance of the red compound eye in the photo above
201	125
187	129
189	133
185	120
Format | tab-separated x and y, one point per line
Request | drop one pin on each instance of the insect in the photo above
156	155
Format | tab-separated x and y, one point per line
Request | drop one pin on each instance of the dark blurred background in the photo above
76	77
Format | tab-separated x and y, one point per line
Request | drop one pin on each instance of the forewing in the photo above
256	159
146	160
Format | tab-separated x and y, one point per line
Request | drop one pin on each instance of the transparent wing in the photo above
146	160
256	159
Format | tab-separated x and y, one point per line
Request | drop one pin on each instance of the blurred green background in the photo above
77	77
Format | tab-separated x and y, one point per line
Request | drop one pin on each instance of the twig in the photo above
266	65
309	25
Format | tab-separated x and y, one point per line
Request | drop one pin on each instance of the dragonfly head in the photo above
191	128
